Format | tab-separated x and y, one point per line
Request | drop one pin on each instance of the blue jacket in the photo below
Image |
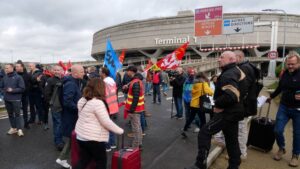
70	96
14	81
187	89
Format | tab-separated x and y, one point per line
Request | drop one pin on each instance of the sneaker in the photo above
279	154
63	163
179	118
243	157
113	146
183	135
108	149
20	133
143	134
196	130
147	114
12	131
294	161
46	126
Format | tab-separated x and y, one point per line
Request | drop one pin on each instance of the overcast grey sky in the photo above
52	30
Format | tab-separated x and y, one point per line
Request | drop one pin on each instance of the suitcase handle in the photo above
122	142
268	112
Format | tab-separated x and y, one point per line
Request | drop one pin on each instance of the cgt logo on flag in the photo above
170	62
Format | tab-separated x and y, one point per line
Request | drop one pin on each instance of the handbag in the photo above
205	104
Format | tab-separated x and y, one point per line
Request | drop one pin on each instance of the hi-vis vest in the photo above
141	104
111	99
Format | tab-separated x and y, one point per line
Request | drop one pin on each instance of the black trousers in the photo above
230	130
91	150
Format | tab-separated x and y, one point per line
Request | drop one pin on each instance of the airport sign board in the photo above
238	25
208	21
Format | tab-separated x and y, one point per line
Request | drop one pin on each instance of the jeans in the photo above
143	121
112	137
156	90
13	110
165	87
89	150
178	106
284	114
57	129
25	107
148	87
230	130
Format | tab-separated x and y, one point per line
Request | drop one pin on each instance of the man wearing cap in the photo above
135	104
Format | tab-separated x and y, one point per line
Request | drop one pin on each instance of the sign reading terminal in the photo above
175	40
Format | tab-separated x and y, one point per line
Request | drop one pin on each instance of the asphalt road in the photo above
163	146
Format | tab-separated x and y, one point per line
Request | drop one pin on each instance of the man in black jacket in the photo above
52	93
35	94
21	70
228	112
177	82
289	108
13	86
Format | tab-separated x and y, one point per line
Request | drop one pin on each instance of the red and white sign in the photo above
208	21
273	55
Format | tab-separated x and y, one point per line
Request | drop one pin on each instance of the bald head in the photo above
77	71
226	58
239	56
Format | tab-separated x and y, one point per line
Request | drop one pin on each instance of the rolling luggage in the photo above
126	158
261	133
75	153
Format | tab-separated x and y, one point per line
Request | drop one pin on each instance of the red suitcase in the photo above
126	158
75	153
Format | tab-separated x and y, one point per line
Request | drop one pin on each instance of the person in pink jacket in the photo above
93	125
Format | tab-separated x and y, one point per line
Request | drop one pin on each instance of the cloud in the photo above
49	30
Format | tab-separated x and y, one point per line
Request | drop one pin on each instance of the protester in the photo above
53	91
35	94
156	81
228	111
289	107
135	104
71	94
177	82
165	82
200	87
13	86
21	70
187	92
93	125
148	83
112	102
92	73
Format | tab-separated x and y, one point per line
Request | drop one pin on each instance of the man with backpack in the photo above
156	86
52	92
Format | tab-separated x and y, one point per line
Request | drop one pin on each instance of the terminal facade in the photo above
154	38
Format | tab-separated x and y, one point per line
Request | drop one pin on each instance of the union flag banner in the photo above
122	56
149	65
172	60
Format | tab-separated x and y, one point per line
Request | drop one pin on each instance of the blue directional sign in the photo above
238	25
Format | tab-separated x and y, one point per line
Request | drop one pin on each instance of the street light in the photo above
284	33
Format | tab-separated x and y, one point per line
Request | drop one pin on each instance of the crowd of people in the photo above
86	101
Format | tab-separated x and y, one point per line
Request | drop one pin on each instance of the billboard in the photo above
208	21
238	25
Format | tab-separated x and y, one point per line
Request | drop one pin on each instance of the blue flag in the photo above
111	60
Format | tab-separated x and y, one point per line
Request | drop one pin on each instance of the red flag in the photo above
69	65
149	65
172	60
122	56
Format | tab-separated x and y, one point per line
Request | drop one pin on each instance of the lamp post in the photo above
284	28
